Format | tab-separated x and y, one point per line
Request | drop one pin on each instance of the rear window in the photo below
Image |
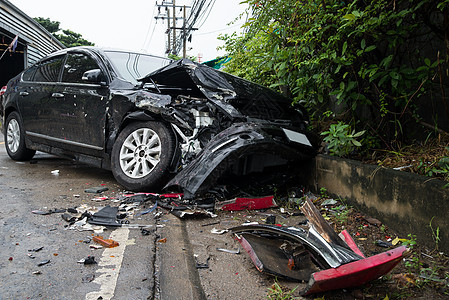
29	74
132	66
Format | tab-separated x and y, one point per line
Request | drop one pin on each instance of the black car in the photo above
150	120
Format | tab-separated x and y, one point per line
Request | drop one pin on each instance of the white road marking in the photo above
111	261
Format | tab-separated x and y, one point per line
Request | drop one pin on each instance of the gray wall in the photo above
403	201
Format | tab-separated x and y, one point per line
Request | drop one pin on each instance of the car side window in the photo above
75	66
48	71
28	74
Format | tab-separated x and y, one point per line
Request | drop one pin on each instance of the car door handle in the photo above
57	95
24	93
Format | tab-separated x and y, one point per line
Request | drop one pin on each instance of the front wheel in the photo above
15	139
142	154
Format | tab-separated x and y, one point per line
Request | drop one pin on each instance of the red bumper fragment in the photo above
355	273
247	203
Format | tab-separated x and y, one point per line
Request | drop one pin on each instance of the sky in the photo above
131	25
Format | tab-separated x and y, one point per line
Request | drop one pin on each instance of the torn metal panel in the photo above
324	229
246	203
325	254
278	257
314	255
355	273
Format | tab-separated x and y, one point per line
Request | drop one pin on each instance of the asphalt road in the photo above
162	265
124	272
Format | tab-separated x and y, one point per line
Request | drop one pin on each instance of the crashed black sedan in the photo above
154	122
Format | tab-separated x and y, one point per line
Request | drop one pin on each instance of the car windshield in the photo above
132	66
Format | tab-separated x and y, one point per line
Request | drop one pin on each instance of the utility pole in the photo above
176	42
174	28
184	50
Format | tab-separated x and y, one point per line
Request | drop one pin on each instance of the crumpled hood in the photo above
237	96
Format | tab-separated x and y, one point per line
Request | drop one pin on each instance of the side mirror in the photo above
94	76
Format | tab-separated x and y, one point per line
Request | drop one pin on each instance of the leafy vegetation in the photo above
371	64
68	38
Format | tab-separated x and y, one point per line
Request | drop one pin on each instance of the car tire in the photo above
15	139
142	154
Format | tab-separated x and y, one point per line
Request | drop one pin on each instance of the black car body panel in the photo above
82	102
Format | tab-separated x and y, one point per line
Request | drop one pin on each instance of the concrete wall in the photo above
403	201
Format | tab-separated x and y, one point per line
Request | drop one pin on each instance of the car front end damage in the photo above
220	119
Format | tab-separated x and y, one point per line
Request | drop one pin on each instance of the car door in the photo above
81	104
35	101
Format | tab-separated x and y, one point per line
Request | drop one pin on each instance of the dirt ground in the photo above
422	275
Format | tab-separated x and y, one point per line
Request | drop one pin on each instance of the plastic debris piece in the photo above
216	231
90	260
246	203
144	231
383	244
95	246
328	202
271	220
36	249
108	243
200	265
229	251
100	198
148	211
10	258
96	190
55	172
37	272
107	216
68	218
41	212
31	256
72	210
210	224
44	262
164	240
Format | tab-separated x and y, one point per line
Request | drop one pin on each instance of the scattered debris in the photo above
88	278
144	231
96	190
108	243
107	216
216	231
246	203
329	202
37	272
271	220
36	249
317	255
44	262
200	265
89	260
164	240
229	251
384	244
95	246
55	172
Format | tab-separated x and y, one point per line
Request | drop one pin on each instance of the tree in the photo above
68	38
369	63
